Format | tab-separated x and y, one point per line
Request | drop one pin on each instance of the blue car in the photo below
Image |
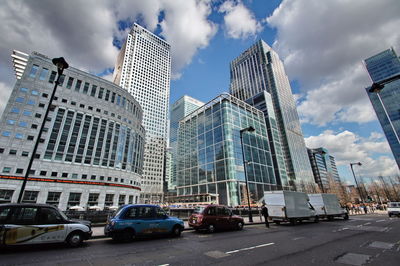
130	221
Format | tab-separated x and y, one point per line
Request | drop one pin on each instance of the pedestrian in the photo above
365	209
264	212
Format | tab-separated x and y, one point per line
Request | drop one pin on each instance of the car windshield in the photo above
199	209
63	215
117	212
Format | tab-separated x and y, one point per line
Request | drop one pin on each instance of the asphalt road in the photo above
367	239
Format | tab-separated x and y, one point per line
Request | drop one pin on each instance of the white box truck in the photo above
327	206
289	206
394	209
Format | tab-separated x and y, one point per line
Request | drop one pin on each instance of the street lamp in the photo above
355	179
249	129
61	65
377	88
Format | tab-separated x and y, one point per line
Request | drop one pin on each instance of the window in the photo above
74	199
86	88
1	150
101	91
41	105
30	137
84	176
50	216
43	74
93	199
6	170
5	196
53	198
19	135
13	152
19	171
45	95
64	100
34	126
37	115
30	102
26	215
69	83
23	90
109	201
93	92
20	99
52	76
30	196
93	177
6	133
27	113
23	124
34	70
25	153
64	175
107	95
78	85
121	200
61	80
54	174
11	122
15	110
43	173
34	93
74	176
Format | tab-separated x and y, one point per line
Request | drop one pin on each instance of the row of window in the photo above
74	199
86	88
9	170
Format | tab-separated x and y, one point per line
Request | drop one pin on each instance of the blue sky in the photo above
322	44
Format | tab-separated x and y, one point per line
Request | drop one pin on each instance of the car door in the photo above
223	217
210	215
161	223
144	222
22	226
51	227
5	213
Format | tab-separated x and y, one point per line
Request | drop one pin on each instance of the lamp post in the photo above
377	88
355	179
61	65
249	129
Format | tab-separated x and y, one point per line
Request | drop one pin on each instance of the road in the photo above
367	239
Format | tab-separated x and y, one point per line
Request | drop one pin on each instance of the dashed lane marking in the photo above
379	221
249	248
297	238
367	223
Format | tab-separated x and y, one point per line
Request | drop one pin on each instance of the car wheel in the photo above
330	218
346	216
176	231
316	219
239	226
127	235
293	221
277	222
390	215
211	228
75	239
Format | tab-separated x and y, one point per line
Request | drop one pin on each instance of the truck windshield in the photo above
199	209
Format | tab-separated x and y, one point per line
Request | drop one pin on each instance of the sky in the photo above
322	45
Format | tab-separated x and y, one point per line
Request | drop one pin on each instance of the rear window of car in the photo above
4	212
199	209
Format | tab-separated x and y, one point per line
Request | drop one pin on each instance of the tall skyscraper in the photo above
144	68
324	168
260	69
181	108
384	69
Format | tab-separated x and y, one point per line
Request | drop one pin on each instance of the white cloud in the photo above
5	92
83	31
323	44
348	147
240	22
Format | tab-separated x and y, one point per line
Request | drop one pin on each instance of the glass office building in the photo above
381	67
263	102
181	108
210	152
259	69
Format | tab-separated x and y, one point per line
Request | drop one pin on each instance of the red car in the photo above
214	217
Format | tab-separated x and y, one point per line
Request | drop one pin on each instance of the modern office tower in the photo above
210	158
143	68
181	108
263	102
384	69
91	149
260	69
324	169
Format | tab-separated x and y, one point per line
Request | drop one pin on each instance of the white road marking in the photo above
380	221
297	238
243	249
367	223
163	265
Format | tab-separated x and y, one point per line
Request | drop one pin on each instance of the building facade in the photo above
143	68
91	149
210	158
381	67
263	102
181	108
260	69
324	168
